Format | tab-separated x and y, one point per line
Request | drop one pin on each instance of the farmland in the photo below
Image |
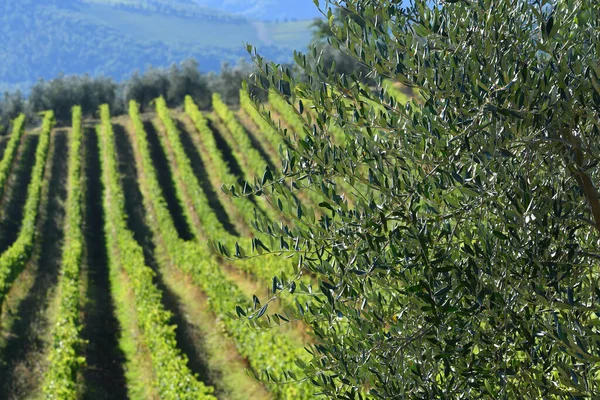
108	283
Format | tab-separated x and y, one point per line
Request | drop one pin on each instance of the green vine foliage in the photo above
471	270
11	150
243	205
60	381
265	128
269	353
13	260
174	379
256	163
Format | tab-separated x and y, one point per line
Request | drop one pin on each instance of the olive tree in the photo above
466	264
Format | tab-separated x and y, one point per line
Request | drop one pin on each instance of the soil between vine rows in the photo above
163	173
104	375
201	174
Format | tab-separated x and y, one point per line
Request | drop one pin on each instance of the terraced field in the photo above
108	286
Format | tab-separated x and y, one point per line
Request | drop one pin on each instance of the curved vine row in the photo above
65	355
255	162
243	204
174	378
11	150
268	266
266	129
267	350
13	260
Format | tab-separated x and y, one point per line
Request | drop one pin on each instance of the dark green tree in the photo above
227	83
187	80
469	267
11	106
65	91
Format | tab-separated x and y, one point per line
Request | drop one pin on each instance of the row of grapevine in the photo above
13	260
245	152
160	218
200	203
255	162
11	151
296	123
279	104
189	183
265	127
267	350
268	266
265	268
271	133
243	204
65	355
174	379
287	112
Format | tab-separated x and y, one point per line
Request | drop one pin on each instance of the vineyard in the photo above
109	283
409	210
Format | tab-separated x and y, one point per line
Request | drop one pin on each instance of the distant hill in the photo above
266	9
42	38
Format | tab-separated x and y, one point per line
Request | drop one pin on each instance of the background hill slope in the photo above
114	37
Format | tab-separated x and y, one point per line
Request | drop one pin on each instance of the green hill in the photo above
113	38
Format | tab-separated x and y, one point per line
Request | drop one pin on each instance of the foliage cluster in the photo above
470	267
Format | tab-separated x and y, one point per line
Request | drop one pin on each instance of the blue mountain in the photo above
267	10
42	38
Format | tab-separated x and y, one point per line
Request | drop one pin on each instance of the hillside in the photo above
264	10
44	38
112	210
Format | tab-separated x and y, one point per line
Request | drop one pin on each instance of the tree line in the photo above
173	83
